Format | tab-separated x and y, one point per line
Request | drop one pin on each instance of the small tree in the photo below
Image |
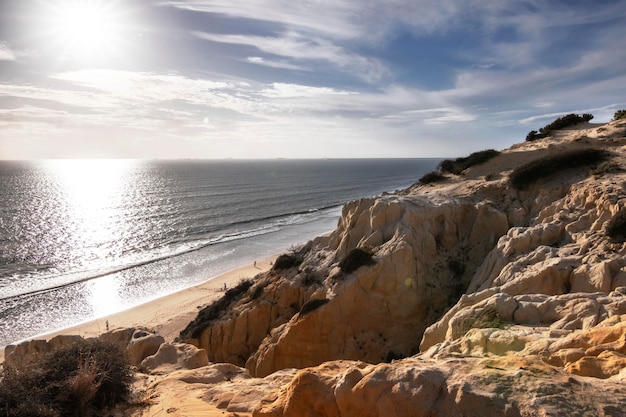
620	114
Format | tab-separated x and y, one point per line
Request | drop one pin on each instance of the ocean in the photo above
80	239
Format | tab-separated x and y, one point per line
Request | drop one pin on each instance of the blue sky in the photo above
308	79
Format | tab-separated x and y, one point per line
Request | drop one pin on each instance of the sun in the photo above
86	30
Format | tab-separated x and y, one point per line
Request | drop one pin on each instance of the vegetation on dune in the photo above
286	261
215	310
550	165
85	378
458	165
560	123
432	177
355	259
620	114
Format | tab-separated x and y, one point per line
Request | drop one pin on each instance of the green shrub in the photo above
432	177
286	261
620	114
545	167
616	228
85	378
459	165
355	259
312	305
215	310
534	135
560	123
566	121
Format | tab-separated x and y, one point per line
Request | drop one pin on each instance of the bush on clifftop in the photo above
560	123
545	167
620	114
458	165
432	177
286	261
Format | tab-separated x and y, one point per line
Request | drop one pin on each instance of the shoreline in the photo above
166	315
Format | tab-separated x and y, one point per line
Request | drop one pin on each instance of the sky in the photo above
300	79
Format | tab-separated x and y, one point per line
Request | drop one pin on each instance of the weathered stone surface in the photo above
567	311
139	343
411	283
174	356
143	344
458	387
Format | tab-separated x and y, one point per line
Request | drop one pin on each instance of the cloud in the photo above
298	47
608	109
276	64
434	116
281	90
6	54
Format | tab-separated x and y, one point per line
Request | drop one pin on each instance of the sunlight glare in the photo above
93	191
87	30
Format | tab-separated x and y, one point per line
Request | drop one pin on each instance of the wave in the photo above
264	225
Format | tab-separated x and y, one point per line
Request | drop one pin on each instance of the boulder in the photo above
170	357
143	344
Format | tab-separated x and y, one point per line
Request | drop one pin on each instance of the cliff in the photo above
499	291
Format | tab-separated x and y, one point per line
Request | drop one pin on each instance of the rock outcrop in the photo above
484	298
416	276
138	343
509	300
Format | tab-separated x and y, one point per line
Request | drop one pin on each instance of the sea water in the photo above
80	239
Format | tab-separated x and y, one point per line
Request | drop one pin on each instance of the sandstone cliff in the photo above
486	299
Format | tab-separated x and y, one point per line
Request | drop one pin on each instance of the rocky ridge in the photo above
484	298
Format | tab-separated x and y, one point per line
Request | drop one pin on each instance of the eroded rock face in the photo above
563	249
139	343
456	387
32	350
424	254
271	302
477	237
544	305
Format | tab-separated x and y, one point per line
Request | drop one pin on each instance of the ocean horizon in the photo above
81	239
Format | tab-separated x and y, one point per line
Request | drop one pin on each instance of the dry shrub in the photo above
214	311
355	259
82	379
550	165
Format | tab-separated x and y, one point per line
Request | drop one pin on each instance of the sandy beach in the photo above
167	315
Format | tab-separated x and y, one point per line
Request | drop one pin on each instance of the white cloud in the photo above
276	64
375	19
6	54
281	90
296	46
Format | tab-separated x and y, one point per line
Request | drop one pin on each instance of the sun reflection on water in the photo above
93	194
